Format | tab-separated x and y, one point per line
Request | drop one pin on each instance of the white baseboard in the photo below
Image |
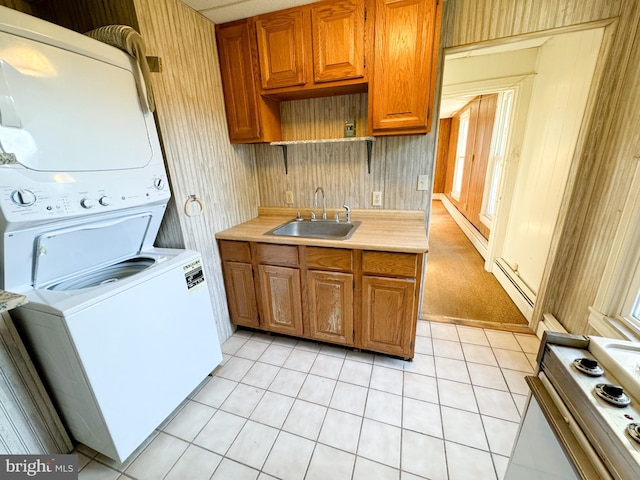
515	288
479	242
551	323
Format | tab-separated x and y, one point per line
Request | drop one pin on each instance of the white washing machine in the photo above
121	331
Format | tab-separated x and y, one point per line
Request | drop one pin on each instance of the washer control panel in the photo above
25	200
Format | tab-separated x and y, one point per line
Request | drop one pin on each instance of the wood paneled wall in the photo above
191	117
607	145
341	168
468	22
442	154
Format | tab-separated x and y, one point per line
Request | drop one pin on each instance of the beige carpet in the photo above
456	286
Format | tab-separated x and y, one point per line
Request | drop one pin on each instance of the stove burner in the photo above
588	366
612	394
633	429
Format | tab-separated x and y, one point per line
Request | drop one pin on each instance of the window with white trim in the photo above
461	150
616	308
496	159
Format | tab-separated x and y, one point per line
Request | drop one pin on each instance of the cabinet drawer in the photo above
389	263
277	254
232	251
329	258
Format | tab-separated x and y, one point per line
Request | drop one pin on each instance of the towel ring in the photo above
190	201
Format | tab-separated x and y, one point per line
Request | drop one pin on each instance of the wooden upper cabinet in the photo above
401	87
281	48
250	118
338	40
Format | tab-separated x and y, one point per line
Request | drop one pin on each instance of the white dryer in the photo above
121	331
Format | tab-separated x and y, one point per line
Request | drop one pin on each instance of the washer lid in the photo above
64	253
105	275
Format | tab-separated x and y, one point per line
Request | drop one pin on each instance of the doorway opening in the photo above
510	121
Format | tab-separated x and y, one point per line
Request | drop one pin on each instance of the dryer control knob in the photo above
158	183
22	197
105	201
87	203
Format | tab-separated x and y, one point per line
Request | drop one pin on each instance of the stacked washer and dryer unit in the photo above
121	331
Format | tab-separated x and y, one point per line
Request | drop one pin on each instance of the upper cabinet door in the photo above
281	49
240	93
403	79
338	40
250	117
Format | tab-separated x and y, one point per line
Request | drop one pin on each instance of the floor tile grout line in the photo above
369	387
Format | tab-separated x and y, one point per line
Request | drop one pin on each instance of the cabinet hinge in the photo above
365	62
365	14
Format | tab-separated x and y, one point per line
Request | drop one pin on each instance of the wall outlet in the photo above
423	182
376	199
289	197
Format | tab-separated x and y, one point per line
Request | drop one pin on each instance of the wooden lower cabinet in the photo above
362	299
281	299
387	309
241	293
331	306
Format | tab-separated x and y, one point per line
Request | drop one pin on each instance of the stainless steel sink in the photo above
325	229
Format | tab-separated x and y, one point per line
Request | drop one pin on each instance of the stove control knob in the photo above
87	203
613	394
158	183
23	198
105	201
588	366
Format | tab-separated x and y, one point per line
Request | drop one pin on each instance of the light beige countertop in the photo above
384	230
9	301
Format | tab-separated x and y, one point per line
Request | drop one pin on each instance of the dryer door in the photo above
61	111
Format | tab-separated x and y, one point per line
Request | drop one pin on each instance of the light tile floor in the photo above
292	410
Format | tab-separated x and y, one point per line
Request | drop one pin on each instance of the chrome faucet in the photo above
346	207
324	202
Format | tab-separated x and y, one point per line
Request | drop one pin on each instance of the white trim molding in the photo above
479	242
620	280
517	290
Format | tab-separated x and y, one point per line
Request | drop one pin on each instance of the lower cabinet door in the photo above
281	299
387	311
331	306
241	293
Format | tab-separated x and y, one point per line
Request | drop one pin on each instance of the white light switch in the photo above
423	182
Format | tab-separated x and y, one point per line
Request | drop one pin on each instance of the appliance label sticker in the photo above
194	275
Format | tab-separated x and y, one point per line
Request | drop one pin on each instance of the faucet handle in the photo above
313	216
348	209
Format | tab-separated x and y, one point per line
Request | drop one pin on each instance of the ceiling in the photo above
222	11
